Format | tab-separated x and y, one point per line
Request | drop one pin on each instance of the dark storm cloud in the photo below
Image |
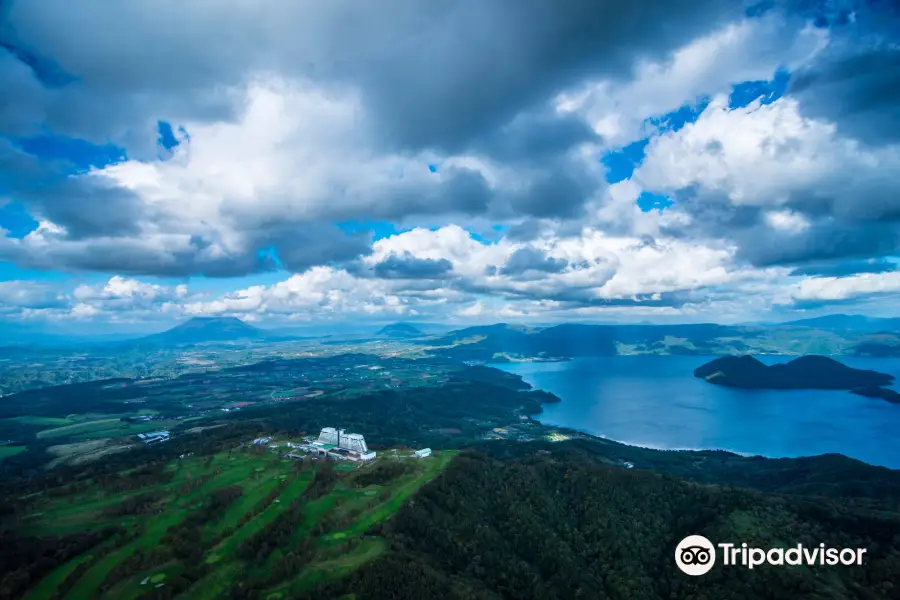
23	96
855	83
461	190
406	266
845	268
860	93
433	74
531	259
557	192
826	239
461	75
132	257
525	231
305	245
820	242
852	224
535	136
85	206
459	69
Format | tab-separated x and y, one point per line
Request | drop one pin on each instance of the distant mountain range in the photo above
830	335
504	342
849	323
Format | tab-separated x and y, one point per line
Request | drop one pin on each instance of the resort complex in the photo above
335	444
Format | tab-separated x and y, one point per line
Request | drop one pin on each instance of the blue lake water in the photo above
656	402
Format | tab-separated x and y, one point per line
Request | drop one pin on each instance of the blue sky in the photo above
721	161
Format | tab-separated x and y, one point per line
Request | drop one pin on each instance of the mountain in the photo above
400	330
848	323
206	329
493	342
806	372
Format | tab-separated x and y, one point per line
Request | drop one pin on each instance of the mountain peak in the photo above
400	330
207	329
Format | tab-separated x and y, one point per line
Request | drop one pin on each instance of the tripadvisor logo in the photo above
696	555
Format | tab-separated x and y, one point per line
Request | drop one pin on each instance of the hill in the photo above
495	342
206	329
806	372
552	522
211	517
400	330
849	323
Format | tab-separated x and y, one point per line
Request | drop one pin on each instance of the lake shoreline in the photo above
619	400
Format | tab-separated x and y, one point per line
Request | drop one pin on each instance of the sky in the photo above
465	161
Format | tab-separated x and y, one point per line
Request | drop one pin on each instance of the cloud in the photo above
860	93
785	188
29	294
478	133
591	269
742	50
842	268
119	299
279	177
422	85
408	266
843	288
526	259
856	83
320	293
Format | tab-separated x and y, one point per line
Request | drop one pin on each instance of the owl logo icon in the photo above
695	555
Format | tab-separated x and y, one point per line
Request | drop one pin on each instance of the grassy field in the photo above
7	451
41	421
101	428
337	551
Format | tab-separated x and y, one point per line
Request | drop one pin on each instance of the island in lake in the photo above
806	372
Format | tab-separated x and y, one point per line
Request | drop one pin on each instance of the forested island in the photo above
805	372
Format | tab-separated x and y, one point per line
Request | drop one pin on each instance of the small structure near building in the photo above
154	436
422	453
260	441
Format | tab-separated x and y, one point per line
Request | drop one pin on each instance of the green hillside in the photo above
242	521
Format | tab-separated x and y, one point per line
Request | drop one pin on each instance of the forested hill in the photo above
547	524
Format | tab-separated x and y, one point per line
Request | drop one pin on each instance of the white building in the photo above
354	442
153	437
422	453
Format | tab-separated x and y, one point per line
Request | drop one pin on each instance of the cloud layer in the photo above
161	143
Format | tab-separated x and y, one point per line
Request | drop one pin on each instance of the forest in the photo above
504	519
549	525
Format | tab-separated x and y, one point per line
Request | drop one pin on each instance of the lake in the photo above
656	402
